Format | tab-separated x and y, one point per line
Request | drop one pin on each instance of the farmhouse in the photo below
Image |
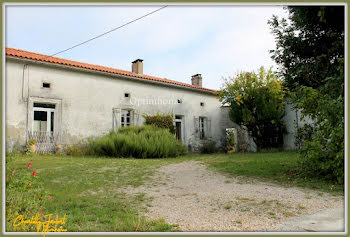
59	101
55	100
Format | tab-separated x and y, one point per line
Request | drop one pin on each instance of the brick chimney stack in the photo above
137	66
197	80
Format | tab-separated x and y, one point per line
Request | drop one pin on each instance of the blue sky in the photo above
176	42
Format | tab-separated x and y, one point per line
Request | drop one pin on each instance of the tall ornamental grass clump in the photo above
138	142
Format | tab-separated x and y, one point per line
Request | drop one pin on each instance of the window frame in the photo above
48	118
125	118
202	128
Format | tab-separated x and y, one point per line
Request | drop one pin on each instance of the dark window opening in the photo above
202	103
126	95
202	128
179	101
52	120
42	105
178	116
40	115
46	85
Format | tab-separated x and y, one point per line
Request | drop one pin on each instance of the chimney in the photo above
197	80
137	66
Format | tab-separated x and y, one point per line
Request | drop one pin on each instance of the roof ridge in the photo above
50	59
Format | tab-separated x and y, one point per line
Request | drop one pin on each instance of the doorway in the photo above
179	127
43	127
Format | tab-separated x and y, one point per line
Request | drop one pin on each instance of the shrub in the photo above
230	141
76	150
138	142
304	134
208	147
161	121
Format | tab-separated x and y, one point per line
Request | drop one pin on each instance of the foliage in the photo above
25	195
77	150
310	52
279	167
31	142
243	146
208	147
161	121
139	142
303	134
230	141
256	101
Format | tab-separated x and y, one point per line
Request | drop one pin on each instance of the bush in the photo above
138	142
304	134
161	121
76	150
208	147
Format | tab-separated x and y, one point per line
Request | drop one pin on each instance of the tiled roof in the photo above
54	60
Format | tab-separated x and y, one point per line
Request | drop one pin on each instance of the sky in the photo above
175	42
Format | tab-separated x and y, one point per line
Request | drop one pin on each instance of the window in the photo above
179	101
46	85
41	105
126	95
126	117
202	127
43	117
202	103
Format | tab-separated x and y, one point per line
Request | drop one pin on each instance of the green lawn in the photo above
90	190
277	167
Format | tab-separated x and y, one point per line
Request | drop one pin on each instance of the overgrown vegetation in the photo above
25	195
138	142
208	147
257	101
310	53
161	121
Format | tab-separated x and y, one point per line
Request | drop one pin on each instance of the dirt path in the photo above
196	199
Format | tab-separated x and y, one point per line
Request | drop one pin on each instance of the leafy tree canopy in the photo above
256	101
309	44
310	54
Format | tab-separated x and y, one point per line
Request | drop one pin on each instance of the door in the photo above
179	128
43	127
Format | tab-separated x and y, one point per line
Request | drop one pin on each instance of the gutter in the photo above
113	75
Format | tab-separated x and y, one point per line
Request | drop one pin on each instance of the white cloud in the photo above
175	42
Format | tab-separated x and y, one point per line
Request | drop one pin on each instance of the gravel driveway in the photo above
196	199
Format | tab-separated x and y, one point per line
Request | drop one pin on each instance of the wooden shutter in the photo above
196	126
116	119
208	128
136	117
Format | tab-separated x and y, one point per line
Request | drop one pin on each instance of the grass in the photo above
277	167
91	190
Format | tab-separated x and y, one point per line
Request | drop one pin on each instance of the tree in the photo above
310	54
256	101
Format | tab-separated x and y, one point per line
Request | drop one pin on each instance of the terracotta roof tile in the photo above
45	58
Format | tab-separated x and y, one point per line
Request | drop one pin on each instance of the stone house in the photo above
59	101
55	100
